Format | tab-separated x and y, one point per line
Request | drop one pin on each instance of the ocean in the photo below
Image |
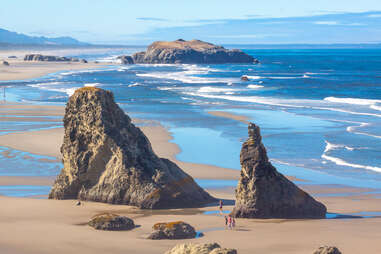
319	109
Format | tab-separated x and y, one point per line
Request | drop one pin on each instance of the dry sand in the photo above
51	226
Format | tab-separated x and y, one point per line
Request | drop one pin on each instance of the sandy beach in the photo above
30	225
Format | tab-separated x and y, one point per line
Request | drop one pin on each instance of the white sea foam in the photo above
134	84
376	107
210	89
341	162
254	86
185	77
80	71
330	147
355	101
253	77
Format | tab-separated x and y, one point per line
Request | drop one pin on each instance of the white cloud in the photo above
329	23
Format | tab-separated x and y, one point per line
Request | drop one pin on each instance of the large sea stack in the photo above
107	159
263	192
188	52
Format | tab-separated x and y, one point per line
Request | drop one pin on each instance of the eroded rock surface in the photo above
112	222
43	58
188	52
263	192
107	159
327	250
194	248
172	230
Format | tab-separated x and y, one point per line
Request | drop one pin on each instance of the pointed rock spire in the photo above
263	192
107	159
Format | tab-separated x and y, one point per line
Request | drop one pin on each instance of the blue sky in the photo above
223	22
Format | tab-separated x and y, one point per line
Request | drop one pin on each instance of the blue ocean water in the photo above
319	110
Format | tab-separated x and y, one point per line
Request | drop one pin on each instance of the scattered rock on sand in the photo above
5	63
244	78
172	230
12	57
327	250
84	61
107	159
196	248
263	192
109	221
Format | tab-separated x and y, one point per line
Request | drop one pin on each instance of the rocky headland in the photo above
187	52
43	58
263	192
107	159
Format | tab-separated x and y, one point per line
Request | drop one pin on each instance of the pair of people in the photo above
230	222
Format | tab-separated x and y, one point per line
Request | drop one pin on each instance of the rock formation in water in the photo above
43	58
189	52
263	192
244	78
107	159
199	248
125	59
327	250
111	222
172	230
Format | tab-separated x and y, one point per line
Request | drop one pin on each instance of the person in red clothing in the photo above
229	222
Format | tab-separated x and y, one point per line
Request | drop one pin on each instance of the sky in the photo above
218	21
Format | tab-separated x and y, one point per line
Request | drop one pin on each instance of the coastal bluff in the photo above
263	192
187	52
108	159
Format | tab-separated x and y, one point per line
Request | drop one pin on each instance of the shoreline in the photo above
31	226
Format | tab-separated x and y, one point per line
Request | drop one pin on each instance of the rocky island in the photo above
107	159
263	192
187	52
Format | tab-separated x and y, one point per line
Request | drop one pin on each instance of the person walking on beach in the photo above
226	221
233	222
229	222
220	207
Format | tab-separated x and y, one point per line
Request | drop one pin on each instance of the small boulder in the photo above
192	248
12	57
112	222
84	61
244	78
5	63
172	230
327	250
